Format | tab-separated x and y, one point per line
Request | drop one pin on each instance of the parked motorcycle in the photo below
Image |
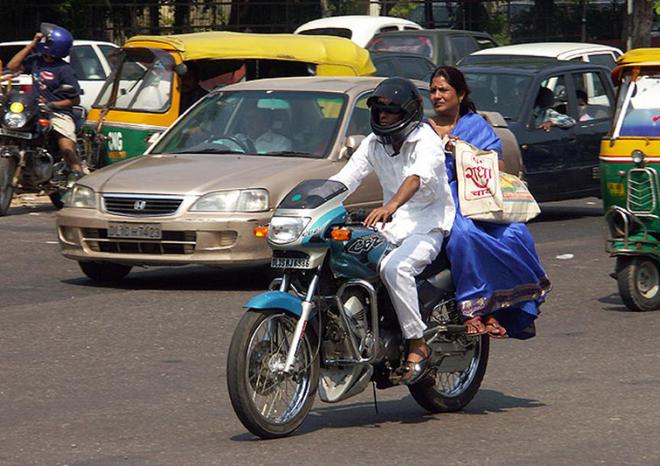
29	158
331	326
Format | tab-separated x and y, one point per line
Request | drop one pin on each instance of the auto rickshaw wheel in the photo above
639	283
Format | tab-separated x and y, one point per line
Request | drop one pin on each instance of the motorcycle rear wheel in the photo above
443	392
269	403
7	170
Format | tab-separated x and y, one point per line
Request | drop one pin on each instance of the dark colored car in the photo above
561	163
406	65
441	46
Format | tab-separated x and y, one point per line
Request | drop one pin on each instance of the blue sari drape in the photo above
495	267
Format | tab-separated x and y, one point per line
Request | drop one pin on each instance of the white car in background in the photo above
89	59
358	28
572	51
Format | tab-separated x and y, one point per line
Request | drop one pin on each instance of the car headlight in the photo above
82	197
282	230
245	200
15	120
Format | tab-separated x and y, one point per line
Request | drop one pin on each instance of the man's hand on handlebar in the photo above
380	215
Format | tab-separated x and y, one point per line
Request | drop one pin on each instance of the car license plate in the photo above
289	262
135	230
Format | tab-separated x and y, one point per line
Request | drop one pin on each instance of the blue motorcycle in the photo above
328	324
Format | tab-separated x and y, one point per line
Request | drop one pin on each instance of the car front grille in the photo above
141	205
642	190
172	242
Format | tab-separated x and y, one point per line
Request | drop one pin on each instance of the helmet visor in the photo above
391	108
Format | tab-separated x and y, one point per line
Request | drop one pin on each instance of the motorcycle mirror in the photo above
350	146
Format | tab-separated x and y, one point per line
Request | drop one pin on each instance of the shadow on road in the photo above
552	212
403	411
185	278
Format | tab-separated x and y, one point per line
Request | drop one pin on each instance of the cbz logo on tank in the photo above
364	244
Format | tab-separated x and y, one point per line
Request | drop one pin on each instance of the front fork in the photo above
307	307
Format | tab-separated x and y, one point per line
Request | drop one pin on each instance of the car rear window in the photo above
341	32
86	63
498	92
417	44
605	59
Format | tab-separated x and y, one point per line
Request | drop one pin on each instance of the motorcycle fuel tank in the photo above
360	255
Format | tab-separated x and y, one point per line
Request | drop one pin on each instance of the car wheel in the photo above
104	271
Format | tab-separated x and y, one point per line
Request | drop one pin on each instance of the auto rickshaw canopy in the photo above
634	59
334	56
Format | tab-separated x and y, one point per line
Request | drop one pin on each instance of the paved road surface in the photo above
135	374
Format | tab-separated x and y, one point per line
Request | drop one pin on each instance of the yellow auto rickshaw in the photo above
147	90
629	164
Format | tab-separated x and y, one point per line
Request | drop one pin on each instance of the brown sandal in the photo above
475	327
494	328
412	371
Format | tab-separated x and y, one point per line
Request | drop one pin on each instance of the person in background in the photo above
583	104
191	91
498	276
545	117
43	58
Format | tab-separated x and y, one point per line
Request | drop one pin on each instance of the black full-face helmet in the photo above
404	98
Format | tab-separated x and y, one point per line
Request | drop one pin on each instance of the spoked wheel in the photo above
451	391
7	170
269	402
639	283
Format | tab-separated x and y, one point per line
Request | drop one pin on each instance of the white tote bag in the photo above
485	194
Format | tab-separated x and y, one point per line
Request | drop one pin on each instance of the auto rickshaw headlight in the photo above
637	157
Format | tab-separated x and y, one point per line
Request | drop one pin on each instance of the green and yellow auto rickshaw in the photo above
144	94
630	163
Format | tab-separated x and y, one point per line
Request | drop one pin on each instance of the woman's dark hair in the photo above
456	79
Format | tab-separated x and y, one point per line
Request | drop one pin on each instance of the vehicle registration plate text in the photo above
289	262
135	230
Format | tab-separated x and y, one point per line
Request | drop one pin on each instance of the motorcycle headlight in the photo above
15	120
245	200
282	230
82	197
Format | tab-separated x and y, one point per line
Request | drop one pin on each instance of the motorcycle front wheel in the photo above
7	170
269	402
442	392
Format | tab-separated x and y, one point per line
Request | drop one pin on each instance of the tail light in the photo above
26	88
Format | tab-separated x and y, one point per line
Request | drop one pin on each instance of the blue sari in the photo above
495	267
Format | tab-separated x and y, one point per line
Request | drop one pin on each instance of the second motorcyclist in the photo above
43	59
405	155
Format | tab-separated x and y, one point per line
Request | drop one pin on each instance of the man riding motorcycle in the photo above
43	58
408	159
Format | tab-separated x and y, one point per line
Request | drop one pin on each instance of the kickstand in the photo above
373	385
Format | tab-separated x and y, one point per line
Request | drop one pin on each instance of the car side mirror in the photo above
350	146
181	69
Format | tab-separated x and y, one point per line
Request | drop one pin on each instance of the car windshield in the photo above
311	194
641	114
278	123
498	92
143	82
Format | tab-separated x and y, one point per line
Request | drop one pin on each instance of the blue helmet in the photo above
57	41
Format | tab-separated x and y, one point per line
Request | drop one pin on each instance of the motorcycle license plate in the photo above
289	263
14	134
135	230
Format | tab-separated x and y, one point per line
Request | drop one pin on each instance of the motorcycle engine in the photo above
39	168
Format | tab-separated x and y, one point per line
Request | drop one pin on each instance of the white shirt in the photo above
422	154
271	142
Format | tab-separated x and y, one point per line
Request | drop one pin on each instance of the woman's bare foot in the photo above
475	326
494	328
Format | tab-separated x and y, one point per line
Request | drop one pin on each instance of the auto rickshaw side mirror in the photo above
181	69
350	146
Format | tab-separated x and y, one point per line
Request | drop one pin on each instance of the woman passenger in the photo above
499	280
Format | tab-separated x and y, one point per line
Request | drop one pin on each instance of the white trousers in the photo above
398	271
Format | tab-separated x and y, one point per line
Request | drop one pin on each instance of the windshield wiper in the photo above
208	150
288	152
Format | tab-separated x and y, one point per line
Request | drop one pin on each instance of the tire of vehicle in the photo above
104	271
639	283
56	199
7	170
249	359
430	396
